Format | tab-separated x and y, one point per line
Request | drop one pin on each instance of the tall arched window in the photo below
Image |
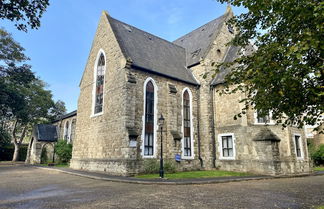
100	75
149	120
187	138
66	130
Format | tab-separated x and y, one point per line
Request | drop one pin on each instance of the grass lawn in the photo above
319	168
195	174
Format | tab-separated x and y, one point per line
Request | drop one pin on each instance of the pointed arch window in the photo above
100	77
187	125
66	131
149	120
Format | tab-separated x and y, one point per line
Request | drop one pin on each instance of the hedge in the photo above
6	152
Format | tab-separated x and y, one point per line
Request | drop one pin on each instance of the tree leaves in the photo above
23	12
285	74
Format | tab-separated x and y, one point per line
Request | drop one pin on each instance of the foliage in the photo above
4	137
285	72
57	111
24	99
169	166
64	151
13	74
318	155
311	146
10	50
196	174
153	166
23	12
7	151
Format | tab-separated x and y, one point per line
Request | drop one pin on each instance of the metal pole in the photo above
161	158
53	153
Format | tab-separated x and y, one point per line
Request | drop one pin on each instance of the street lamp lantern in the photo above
161	123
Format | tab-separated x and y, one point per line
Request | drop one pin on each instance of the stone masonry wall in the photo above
216	53
102	138
252	154
61	124
170	105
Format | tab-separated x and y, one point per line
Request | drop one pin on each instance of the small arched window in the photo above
149	120
66	131
186	125
99	84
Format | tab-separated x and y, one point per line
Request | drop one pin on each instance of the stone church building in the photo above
132	77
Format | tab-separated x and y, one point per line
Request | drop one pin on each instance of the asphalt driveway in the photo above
30	187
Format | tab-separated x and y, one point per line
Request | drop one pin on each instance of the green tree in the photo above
24	100
57	110
63	151
285	72
23	12
38	102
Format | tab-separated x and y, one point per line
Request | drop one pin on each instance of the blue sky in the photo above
60	48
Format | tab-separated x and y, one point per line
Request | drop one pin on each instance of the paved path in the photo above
30	187
223	179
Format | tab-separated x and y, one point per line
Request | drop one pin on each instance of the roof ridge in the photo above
181	37
162	39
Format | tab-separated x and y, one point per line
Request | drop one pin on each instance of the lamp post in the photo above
161	122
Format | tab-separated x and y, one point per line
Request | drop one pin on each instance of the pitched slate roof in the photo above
198	42
70	114
45	133
152	53
231	55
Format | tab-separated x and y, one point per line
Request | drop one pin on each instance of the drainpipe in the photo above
213	126
198	128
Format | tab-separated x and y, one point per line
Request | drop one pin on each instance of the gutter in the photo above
213	127
161	74
198	128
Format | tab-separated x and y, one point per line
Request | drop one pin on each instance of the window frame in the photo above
191	127
256	122
67	131
220	146
300	144
93	114
155	128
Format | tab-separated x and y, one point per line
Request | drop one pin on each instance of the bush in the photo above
64	151
169	166
4	138
318	155
6	152
153	166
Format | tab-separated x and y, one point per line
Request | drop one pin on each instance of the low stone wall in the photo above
120	167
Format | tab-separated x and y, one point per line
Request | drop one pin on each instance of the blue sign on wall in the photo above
178	157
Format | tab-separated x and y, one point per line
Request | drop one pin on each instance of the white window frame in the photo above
68	131
191	127
220	146
101	51
300	145
271	122
155	126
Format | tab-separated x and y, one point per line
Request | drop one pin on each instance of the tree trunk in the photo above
16	153
17	141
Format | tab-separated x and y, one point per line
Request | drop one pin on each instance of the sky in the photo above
60	47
